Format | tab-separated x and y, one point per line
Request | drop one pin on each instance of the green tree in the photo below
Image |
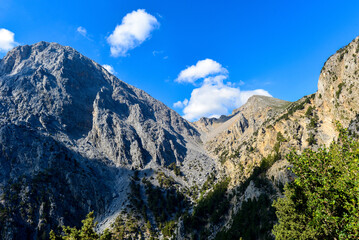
323	201
87	231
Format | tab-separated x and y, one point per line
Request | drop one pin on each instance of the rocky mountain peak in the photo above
51	86
256	104
33	56
259	103
56	89
76	126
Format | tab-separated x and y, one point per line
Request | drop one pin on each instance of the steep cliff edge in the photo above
338	88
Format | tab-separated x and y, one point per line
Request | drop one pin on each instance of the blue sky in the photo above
236	48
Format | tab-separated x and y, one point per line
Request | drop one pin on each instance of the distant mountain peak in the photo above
257	102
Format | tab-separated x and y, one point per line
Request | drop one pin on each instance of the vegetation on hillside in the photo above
87	231
209	209
254	220
322	202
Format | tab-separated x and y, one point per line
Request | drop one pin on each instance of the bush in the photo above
164	180
322	203
311	139
309	112
340	88
168	229
280	137
175	169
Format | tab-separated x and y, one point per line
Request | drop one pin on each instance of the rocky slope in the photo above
69	127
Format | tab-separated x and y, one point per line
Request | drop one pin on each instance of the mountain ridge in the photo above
75	138
80	95
59	94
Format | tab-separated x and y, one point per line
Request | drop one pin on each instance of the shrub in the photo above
309	112
311	139
322	202
340	88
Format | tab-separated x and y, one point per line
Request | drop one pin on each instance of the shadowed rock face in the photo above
44	184
69	133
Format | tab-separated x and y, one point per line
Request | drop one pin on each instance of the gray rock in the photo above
77	131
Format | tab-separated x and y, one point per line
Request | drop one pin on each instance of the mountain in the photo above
71	134
74	139
253	142
309	122
57	90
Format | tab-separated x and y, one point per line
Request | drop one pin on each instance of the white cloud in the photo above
202	69
109	68
82	31
181	104
7	41
134	30
214	97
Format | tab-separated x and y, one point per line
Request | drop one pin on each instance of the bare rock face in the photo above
234	139
338	87
70	134
338	84
57	90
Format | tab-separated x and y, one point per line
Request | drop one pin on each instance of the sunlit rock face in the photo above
69	133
